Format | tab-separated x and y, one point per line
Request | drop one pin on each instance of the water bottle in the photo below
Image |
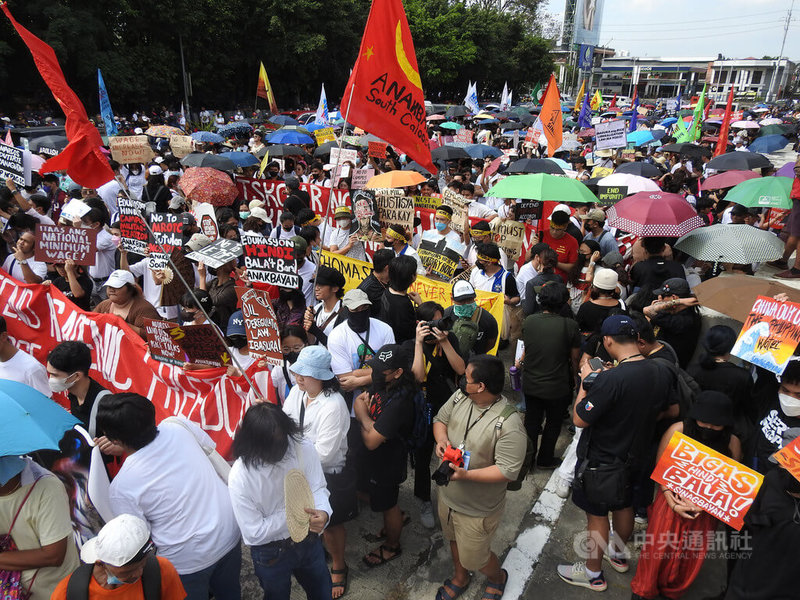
516	378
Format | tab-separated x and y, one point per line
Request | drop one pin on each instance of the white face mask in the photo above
58	385
789	405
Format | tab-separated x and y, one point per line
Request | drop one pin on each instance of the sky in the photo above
734	28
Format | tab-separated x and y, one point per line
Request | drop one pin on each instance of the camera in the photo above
588	381
452	456
440	324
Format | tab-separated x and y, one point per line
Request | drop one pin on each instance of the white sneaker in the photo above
426	515
563	487
576	575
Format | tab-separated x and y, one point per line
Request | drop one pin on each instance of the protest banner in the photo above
377	149
612	134
789	457
508	235
355	271
273	194
460	205
324	135
770	334
271	261
201	345
162	347
12	164
133	232
217	253
56	244
434	201
365	211
74	210
628	154
439	258
395	208
776	218
719	485
130	149
529	211
261	325
181	145
464	136
342	155
360	177
167	234
611	194
206	219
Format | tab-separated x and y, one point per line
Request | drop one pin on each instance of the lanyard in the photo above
303	410
469	426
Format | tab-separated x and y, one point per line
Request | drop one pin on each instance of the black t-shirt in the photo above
736	383
591	316
549	342
680	330
655	271
398	312
83	411
664	353
621	408
374	290
529	305
84	281
487	331
769	435
295	202
440	379
393	414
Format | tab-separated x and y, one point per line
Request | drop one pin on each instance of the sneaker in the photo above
576	575
563	487
426	515
640	520
620	565
790	274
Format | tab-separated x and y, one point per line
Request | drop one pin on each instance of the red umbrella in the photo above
654	214
727	179
204	184
587	132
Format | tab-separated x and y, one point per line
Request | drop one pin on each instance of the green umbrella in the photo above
762	192
450	125
541	186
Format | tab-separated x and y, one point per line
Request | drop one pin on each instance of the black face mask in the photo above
462	384
187	315
378	381
788	482
284	294
710	436
291	357
238	341
388	244
358	321
480	266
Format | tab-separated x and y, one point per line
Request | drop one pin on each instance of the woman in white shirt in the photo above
317	406
267	446
328	312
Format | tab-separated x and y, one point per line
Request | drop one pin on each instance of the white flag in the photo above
183	116
471	99
504	103
322	109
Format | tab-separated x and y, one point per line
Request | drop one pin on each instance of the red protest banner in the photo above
59	244
719	485
789	457
261	325
162	347
377	149
273	194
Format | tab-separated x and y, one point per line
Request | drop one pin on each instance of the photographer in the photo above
479	326
677	317
472	498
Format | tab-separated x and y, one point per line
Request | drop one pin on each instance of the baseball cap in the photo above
612	259
561	208
121	541
342	212
155	170
390	356
356	299
463	290
236	324
674	286
329	276
198	241
300	246
619	325
714	408
119	278
595	215
605	279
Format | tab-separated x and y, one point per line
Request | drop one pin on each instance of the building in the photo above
752	79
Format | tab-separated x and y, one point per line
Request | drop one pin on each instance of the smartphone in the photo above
596	363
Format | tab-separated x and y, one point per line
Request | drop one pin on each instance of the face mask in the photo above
59	385
291	357
10	467
343	224
187	315
238	341
284	295
358	321
789	405
788	482
113	580
85	226
116	240
480	266
710	436
378	381
243	214
440	226
462	384
464	310
387	243
288	229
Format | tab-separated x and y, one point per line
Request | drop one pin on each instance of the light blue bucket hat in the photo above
313	361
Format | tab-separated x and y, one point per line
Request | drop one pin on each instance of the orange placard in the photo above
719	485
789	457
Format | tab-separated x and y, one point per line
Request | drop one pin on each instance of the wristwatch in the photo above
23	262
15	191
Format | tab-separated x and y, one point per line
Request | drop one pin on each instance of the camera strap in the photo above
468	426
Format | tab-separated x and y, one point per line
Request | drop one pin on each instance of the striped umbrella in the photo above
654	214
737	244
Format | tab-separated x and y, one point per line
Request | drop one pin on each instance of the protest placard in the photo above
439	258
167	231
133	232
74	210
360	177
719	485
770	334
269	260
181	145
508	235
56	244
464	136
460	205
201	345
339	156
365	211
789	457
217	253
433	201
611	135
12	164
206	219
395	208
324	135
130	149
160	343
377	149
611	194
261	325
529	211
628	154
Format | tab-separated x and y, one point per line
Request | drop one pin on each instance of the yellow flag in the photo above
264	89
264	162
579	97
597	100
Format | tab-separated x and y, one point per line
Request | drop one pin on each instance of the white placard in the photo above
611	135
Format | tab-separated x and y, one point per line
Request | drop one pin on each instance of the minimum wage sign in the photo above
719	485
59	244
770	334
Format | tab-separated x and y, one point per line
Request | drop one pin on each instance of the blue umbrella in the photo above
768	143
236	128
488	121
645	136
482	151
668	121
208	137
31	421
450	125
283	120
241	159
290	137
314	126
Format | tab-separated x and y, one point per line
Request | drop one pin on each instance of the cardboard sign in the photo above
271	261
12	164
719	485
770	334
167	231
201	345
360	177
395	208
460	205
181	145
261	325
132	229
377	149
432	202
162	347
130	149
628	154
441	260
59	244
217	253
776	217
611	135
74	210
324	135
366	211
789	457
509	235
611	194
206	219
339	156
529	211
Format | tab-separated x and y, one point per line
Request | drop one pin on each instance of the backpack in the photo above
686	387
466	332
78	586
421	431
530	450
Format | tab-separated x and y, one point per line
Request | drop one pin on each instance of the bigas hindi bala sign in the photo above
770	334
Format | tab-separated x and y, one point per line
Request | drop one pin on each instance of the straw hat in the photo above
297	496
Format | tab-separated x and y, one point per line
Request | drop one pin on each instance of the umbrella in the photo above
634	183
482	151
560	162
456	111
415	166
645	136
542	186
669	121
436	118
289	137
654	214
396	179
208	185
786	170
450	125
587	132
207	137
310	127
740	161
241	159
283	120
534	165
281	150
48	144
775	130
511	125
737	244
235	129
325	149
163	131
734	295
642	169
31	421
763	192
211	161
768	143
488	121
687	149
727	179
449	153
769	121
745	125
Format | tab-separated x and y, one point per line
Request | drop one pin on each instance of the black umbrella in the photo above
642	169
281	150
325	149
739	161
449	153
456	111
511	125
415	166
528	119
48	144
534	165
687	149
214	161
502	114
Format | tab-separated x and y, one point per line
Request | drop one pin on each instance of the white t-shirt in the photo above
22	367
408	250
171	484
108	192
279	382
340	238
322	316
526	273
151	291
306	272
434	236
245	360
43	219
344	344
13	268
476	209
104	262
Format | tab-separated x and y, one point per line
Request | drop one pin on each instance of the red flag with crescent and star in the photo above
384	93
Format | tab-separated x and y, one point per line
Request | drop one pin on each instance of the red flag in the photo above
613	102
384	93
81	159
551	117
722	142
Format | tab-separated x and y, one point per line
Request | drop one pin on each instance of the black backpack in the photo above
685	386
78	586
530	450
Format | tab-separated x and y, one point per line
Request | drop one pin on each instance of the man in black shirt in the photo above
656	269
375	284
397	303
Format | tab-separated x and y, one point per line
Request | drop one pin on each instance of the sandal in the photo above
340	584
382	533
501	587
381	558
450	591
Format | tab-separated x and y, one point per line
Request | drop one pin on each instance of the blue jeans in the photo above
221	578
274	566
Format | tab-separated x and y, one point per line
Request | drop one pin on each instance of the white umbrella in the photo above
770	121
634	183
745	125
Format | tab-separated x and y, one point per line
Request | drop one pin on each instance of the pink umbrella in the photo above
436	118
654	214
745	125
727	179
204	184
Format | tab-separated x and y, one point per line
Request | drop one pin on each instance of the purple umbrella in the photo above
786	170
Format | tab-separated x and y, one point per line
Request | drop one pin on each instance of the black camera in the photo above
588	381
452	456
440	324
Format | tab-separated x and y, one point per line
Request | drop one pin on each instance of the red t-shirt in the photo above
171	587
566	248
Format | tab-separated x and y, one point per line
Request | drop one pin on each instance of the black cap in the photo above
714	408
330	276
676	286
390	356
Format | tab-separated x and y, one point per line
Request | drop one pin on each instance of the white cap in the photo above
158	159
259	213
255	204
119	278
198	241
463	290
605	279
561	208
155	170
119	541
138	131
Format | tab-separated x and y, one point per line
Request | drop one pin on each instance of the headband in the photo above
484	258
474	231
395	235
315	220
444	214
